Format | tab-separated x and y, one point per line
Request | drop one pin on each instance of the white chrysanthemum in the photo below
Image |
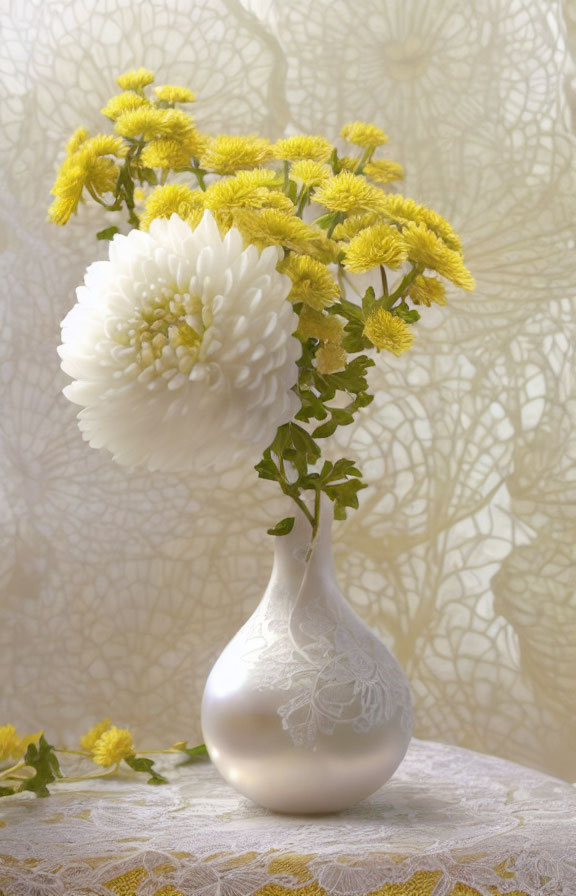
181	348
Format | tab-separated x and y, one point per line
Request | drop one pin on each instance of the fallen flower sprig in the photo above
30	763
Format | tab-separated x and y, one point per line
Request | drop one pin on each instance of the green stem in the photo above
389	300
104	774
338	216
6	773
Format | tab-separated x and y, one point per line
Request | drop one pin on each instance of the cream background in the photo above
119	589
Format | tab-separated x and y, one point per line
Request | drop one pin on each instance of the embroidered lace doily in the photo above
449	816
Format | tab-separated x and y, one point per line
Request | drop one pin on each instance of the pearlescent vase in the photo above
306	710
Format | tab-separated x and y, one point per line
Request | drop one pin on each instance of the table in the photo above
450	823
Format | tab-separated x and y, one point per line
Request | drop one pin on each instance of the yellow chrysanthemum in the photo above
386	331
171	93
227	154
383	171
310	172
122	103
85	167
426	248
89	739
170	153
12	746
135	79
380	244
173	199
425	290
363	134
274	227
348	228
150	123
112	746
402	209
79	137
347	192
245	189
312	282
303	146
314	324
330	358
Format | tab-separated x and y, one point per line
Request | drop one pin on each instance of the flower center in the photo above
165	332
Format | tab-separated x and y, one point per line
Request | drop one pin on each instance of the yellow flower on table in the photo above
361	133
89	739
303	146
402	210
12	745
386	331
112	746
135	79
380	244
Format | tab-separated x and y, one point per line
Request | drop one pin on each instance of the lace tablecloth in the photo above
450	823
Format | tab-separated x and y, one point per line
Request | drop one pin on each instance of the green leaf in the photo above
283	527
292	191
42	758
326	430
368	301
266	468
304	443
107	233
410	316
195	754
6	791
326	220
143	764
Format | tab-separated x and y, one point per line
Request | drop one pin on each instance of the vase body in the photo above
306	710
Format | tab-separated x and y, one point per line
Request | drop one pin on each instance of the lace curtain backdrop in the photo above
119	589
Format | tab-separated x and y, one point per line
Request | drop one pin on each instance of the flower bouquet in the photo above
234	323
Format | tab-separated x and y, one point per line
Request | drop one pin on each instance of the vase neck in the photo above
291	551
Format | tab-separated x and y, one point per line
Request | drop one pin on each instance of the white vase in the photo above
306	710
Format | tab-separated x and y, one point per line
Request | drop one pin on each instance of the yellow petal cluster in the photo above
167	152
383	171
330	358
380	244
89	739
171	93
12	745
424	247
386	331
310	172
352	225
312	282
173	199
87	166
274	227
112	746
247	189
123	102
303	146
150	123
227	153
402	210
361	133
79	137
135	79
347	192
425	290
